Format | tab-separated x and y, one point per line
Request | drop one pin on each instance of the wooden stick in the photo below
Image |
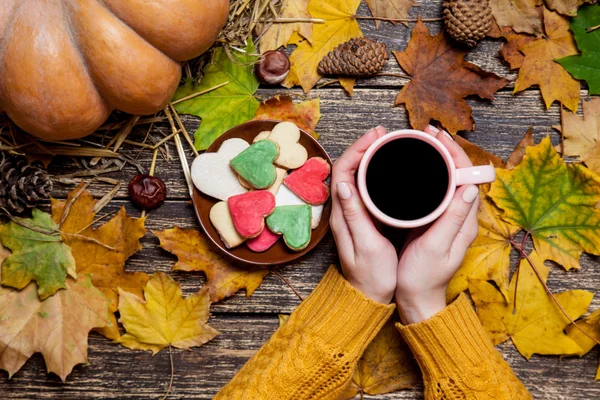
191	96
183	130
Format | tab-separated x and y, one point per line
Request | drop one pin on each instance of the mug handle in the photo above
475	175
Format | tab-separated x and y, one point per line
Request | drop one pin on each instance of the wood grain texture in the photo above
245	324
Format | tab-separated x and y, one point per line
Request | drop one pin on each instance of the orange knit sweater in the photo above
314	354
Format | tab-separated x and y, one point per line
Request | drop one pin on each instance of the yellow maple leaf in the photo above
279	34
57	327
104	256
536	325
194	253
553	202
539	67
582	135
386	366
339	27
165	318
591	326
488	258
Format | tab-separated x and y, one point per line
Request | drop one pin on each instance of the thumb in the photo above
447	227
355	214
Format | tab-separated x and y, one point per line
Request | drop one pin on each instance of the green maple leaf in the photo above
553	201
586	66
36	256
227	106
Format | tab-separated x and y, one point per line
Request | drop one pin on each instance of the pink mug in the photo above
456	177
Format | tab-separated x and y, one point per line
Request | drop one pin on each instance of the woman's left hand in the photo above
369	260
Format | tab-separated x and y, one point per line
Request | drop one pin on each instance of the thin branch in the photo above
191	96
172	374
68	206
186	135
592	28
290	20
547	289
89	239
289	284
396	75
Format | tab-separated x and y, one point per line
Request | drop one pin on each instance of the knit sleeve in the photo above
314	354
458	360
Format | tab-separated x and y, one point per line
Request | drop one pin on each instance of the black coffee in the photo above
407	179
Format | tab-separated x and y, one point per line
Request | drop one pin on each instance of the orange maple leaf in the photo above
440	81
305	115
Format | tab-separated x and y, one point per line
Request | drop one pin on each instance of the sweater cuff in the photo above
449	341
340	315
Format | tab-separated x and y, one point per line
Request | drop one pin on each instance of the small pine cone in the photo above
22	186
356	57
467	21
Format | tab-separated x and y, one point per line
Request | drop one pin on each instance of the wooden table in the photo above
246	323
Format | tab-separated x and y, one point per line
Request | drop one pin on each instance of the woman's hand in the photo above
432	255
369	260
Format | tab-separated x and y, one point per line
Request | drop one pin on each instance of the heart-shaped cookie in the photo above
255	164
221	220
212	174
263	242
248	211
308	181
285	197
293	222
291	153
261	136
281	173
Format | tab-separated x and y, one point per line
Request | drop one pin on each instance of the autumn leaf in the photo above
386	366
586	66
227	106
57	327
339	27
520	15
279	34
582	135
194	253
566	7
165	318
427	96
477	155
511	50
103	257
591	326
305	115
553	202
539	67
393	9
488	258
38	254
518	153
536	325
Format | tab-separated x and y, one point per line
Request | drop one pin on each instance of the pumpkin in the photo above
66	64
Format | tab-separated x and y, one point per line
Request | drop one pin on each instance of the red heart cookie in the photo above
263	242
307	181
248	211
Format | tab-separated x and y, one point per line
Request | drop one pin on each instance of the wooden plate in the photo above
279	253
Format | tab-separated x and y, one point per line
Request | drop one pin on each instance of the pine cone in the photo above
356	57
467	21
22	186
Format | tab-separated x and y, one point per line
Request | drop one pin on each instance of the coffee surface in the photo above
407	179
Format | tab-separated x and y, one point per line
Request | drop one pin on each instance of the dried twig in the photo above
182	157
106	198
592	28
183	130
191	96
288	283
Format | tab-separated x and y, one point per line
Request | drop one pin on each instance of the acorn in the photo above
273	67
147	192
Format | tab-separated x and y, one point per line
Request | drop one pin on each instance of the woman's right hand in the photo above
369	260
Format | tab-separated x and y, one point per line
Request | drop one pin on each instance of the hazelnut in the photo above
147	192
273	67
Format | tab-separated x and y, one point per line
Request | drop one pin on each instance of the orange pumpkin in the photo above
66	64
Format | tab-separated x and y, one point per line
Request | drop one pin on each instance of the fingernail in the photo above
469	194
344	191
379	127
433	129
449	136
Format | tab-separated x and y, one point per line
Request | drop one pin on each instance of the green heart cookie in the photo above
293	222
255	164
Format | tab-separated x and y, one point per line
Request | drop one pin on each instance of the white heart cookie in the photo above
221	220
285	197
212	174
292	154
261	136
281	174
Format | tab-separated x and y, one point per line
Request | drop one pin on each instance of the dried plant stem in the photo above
118	125
165	139
182	157
186	135
562	135
153	164
69	204
125	131
395	75
127	127
290	20
592	28
398	19
549	292
288	283
89	239
106	198
172	374
93	222
89	172
191	96
74	151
